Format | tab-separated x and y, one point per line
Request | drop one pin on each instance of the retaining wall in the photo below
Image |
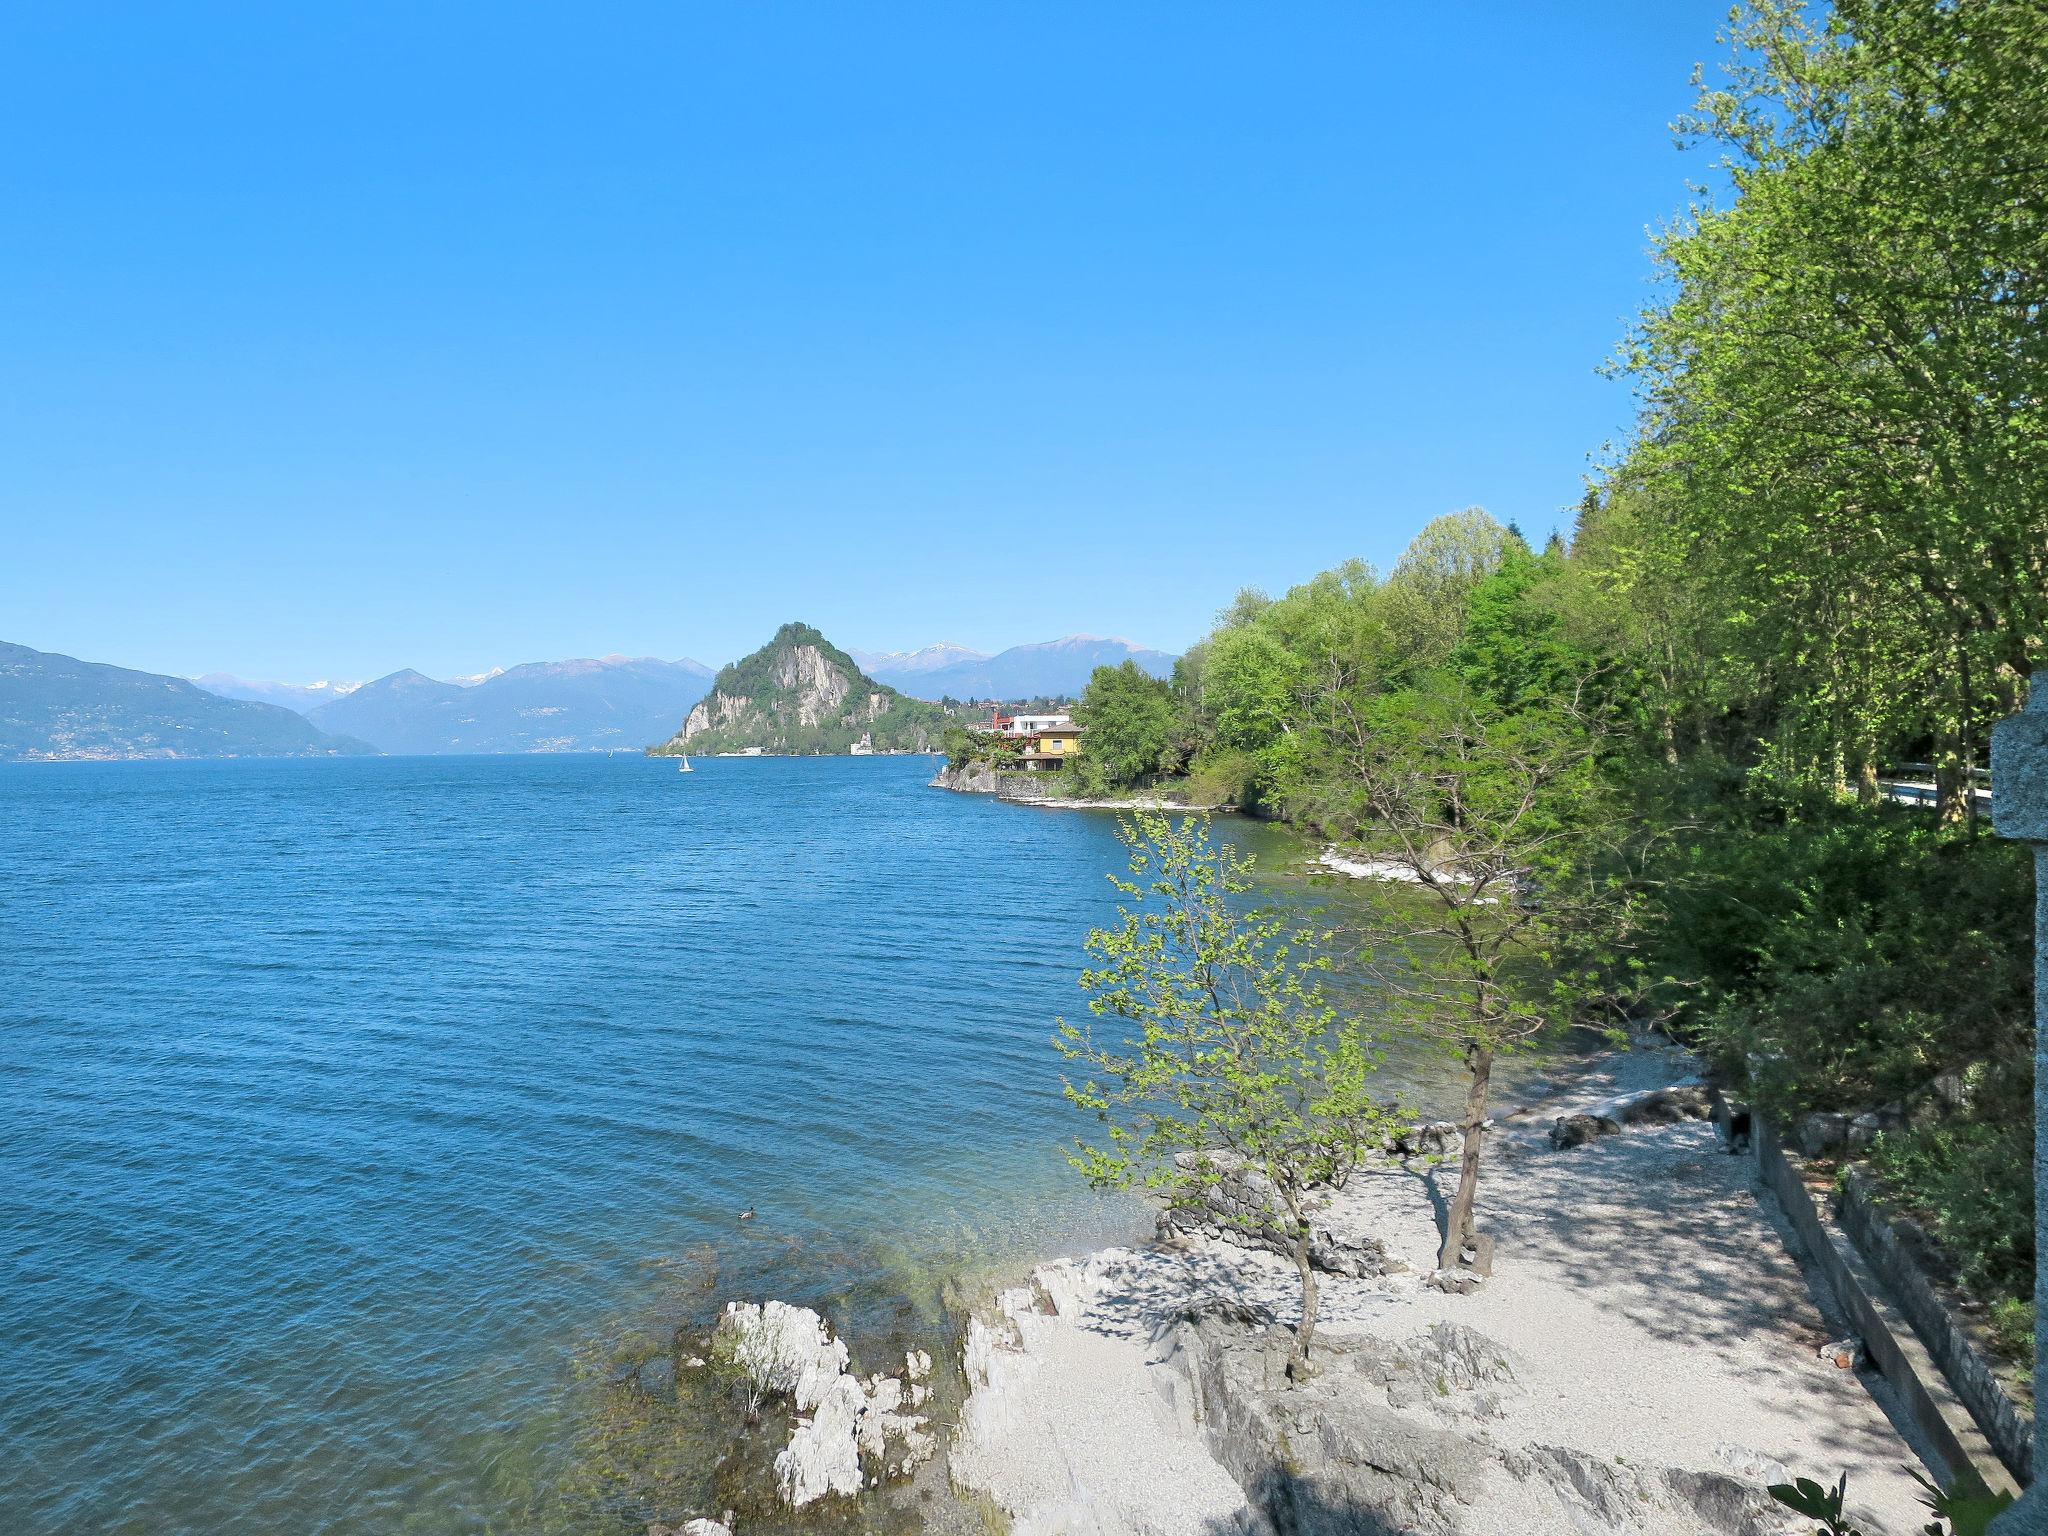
1888	1335
1888	1246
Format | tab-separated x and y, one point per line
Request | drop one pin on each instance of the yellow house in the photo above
1047	747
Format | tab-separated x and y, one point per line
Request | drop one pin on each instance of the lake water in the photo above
348	1104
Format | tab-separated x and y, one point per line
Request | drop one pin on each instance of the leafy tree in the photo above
1132	721
1224	1044
1625	594
1494	824
1845	384
1434	579
963	745
1267	662
1517	649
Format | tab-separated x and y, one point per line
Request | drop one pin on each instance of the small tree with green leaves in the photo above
1225	1054
1505	895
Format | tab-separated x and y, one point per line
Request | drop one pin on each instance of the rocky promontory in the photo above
800	693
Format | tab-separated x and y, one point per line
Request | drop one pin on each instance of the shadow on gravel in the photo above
1295	1507
1663	1227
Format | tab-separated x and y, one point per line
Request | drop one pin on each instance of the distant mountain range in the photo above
1050	668
610	702
303	697
800	693
586	705
57	707
914	663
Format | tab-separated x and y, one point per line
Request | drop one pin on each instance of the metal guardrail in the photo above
1983	774
1905	792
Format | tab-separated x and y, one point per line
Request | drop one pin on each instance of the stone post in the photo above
2019	808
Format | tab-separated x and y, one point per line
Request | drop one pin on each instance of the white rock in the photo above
785	1349
885	1394
823	1456
1751	1466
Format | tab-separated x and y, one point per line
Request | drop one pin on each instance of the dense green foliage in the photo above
1842	955
1822	558
1959	1176
965	745
1133	730
1843	446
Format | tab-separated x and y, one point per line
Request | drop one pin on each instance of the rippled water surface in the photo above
344	1102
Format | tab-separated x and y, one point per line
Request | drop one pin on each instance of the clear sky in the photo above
335	339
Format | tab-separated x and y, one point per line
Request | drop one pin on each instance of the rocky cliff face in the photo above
968	779
801	694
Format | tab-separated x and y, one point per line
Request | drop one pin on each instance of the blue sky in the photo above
345	338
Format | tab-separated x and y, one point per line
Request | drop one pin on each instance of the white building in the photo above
1030	725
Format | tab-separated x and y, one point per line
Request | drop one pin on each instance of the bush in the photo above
963	746
960	746
1972	1182
1222	776
1842	956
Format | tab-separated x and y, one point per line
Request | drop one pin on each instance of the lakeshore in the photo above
1011	788
1646	1345
1606	1252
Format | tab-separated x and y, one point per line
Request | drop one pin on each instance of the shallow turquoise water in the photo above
344	1101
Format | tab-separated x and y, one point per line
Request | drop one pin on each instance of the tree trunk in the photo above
1458	1226
1952	798
1311	1304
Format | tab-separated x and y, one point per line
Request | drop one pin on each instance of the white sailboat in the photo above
686	768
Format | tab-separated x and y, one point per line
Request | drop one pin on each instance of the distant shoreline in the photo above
973	780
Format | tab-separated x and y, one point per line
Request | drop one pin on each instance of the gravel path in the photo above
1643	1281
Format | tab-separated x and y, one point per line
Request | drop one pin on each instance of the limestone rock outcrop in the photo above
851	1433
784	1350
1242	1207
1392	1436
968	779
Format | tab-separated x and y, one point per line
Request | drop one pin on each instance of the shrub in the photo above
1222	776
1972	1181
1842	956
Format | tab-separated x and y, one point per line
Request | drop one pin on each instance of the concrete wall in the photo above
1888	1337
1889	1248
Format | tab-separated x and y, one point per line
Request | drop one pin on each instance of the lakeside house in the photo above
1044	741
